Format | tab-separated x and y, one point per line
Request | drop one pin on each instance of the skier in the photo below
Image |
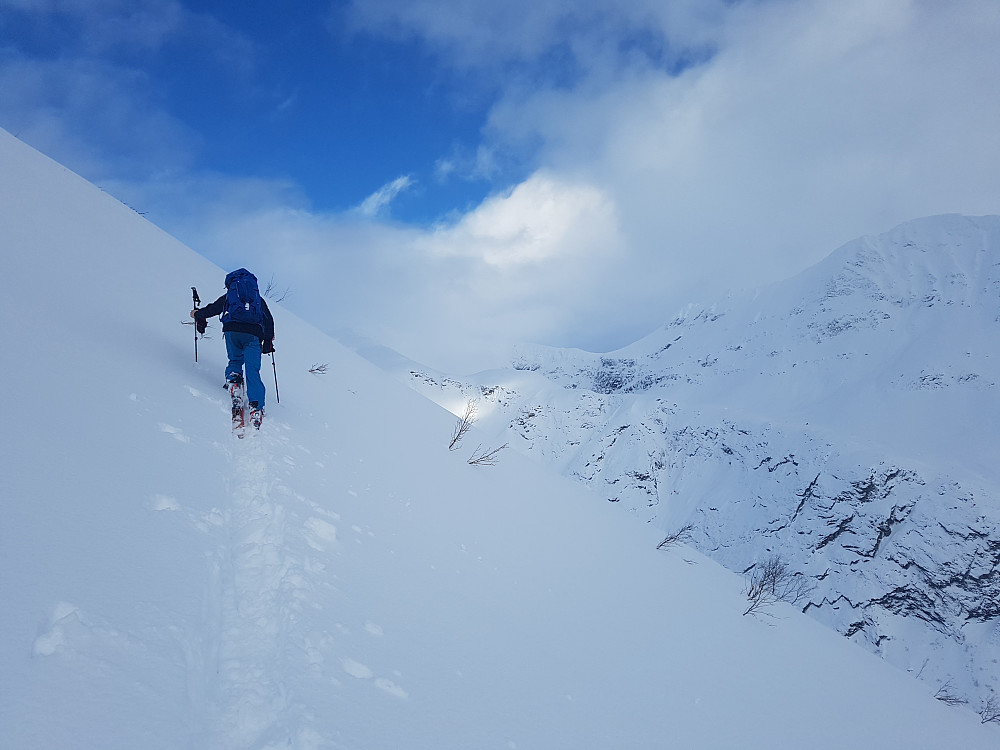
248	328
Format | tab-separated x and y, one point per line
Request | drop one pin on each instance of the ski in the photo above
239	405
256	416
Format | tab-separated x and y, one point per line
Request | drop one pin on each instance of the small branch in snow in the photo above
683	534
991	711
946	695
272	293
464	424
481	457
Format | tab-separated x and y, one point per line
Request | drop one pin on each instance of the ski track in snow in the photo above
261	577
255	584
255	594
268	559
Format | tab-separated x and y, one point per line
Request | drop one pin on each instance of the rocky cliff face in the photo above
847	419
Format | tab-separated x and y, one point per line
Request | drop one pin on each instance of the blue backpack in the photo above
243	303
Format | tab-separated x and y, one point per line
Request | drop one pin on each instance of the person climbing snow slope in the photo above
248	329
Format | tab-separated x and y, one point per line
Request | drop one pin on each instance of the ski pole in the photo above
277	398
197	301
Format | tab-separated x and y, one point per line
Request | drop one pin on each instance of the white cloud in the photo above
377	203
542	219
811	124
520	267
795	126
480	163
542	39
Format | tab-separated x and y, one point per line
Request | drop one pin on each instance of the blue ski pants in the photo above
244	349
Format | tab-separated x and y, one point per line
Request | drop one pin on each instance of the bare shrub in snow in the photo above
680	536
771	582
946	694
482	457
318	369
464	424
271	292
991	711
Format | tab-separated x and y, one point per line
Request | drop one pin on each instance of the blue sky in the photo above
275	91
448	177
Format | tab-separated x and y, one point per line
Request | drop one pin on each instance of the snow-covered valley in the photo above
344	580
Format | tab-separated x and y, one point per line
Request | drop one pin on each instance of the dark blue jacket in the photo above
219	306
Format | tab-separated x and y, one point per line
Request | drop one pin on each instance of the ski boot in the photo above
256	415
235	382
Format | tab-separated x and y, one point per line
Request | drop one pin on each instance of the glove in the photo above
200	324
267	347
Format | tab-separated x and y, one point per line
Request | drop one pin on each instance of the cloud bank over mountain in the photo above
669	151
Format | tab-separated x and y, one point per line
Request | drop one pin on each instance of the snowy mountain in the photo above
342	579
846	419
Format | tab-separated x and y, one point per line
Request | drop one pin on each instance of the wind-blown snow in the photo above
342	579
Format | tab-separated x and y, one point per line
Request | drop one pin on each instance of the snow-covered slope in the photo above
342	579
847	419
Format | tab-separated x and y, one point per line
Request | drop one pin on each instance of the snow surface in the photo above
342	579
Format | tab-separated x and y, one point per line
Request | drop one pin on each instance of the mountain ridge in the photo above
845	418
